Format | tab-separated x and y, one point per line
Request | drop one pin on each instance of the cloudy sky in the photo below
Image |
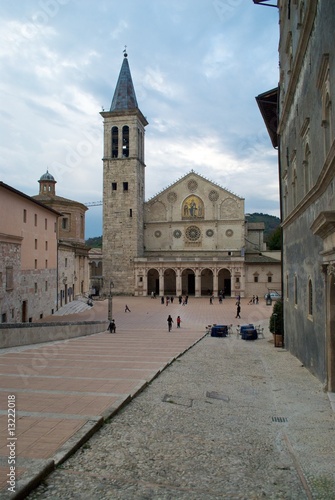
196	65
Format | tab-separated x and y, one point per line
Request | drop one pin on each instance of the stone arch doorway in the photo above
331	335
206	282
153	281
188	282
170	282
224	282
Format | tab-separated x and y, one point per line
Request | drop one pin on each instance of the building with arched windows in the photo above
73	261
304	132
192	238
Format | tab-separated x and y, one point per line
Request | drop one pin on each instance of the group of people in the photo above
254	300
170	321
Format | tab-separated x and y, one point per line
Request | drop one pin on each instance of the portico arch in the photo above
188	282
207	285
153	281
169	282
224	281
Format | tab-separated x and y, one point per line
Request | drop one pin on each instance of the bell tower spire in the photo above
123	184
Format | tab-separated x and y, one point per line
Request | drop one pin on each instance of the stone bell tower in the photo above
123	185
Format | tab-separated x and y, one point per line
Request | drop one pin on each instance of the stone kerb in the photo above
14	335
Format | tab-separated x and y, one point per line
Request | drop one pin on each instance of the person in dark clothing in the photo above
112	326
238	310
170	321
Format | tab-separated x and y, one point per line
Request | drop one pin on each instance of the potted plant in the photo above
276	325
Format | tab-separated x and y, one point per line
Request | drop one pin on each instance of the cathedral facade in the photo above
192	238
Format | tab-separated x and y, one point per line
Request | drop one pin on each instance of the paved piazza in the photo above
225	418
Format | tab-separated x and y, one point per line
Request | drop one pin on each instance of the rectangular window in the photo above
269	279
35	263
255	279
237	280
46	245
35	244
4	318
24	215
9	278
46	263
45	224
130	212
35	219
65	262
65	223
35	287
125	186
46	286
114	186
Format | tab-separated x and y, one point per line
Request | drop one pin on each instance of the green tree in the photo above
274	239
276	324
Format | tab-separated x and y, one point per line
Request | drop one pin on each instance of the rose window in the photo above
192	185
193	233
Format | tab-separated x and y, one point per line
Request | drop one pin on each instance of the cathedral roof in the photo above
124	95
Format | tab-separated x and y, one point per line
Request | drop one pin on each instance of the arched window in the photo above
115	142
295	290
307	173
310	298
125	141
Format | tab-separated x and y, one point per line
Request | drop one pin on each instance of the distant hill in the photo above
95	242
271	222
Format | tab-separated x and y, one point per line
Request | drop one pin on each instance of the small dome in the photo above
47	177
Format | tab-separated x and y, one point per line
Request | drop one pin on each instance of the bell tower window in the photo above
125	141
115	142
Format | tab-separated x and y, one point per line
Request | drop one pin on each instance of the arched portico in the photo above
169	282
153	281
224	281
188	282
207	285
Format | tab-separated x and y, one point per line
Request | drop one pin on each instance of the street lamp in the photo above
110	303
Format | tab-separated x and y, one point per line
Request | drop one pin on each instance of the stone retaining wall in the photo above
12	335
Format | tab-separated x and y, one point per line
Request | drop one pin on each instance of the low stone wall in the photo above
13	335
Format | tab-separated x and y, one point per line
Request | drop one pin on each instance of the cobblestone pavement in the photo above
230	419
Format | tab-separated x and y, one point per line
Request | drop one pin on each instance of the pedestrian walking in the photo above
178	321
112	326
126	309
170	321
238	310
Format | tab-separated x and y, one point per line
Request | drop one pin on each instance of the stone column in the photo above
161	282
198	282
215	282
178	282
145	284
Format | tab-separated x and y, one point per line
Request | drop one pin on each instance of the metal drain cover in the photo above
177	400
216	395
279	419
